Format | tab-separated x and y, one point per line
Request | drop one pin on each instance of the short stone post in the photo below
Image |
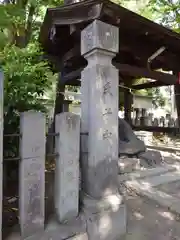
162	121
100	79
167	118
137	117
143	118
67	144
156	122
171	122
1	145
32	173
150	119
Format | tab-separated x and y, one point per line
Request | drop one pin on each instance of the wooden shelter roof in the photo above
139	37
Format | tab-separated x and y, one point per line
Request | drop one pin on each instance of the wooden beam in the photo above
73	75
149	85
74	52
143	48
156	129
143	72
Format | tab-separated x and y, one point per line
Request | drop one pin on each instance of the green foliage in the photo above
26	80
27	76
167	12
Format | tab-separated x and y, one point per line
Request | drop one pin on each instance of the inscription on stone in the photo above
67	166
107	134
32	169
107	89
102	108
107	111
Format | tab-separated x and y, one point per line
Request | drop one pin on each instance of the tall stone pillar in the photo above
99	118
99	44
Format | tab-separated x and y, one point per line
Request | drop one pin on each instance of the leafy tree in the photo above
27	75
167	12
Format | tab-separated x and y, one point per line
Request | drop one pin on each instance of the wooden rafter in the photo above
143	72
149	85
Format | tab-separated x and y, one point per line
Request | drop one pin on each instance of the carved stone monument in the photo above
67	166
32	173
99	44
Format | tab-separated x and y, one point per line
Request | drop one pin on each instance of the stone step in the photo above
146	173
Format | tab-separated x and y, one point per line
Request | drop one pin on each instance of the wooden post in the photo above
32	173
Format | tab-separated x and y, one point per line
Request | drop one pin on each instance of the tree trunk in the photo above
50	143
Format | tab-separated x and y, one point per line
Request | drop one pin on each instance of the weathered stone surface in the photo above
129	144
72	230
66	193
127	165
107	223
104	212
100	110
152	158
99	35
32	173
108	203
82	236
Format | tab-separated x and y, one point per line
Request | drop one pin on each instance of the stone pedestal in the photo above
99	129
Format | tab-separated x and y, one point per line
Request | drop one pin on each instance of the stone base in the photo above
106	219
128	165
72	230
99	220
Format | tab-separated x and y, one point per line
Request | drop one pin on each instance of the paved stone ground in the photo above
147	221
172	188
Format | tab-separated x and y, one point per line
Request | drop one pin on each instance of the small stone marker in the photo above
67	166
1	144
32	173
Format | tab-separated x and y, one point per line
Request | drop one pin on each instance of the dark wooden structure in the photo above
139	38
